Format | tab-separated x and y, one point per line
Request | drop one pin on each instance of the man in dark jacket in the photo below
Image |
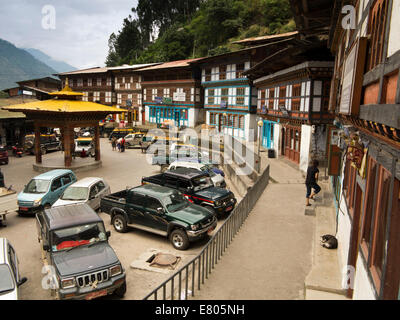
311	182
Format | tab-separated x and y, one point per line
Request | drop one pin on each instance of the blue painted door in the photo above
268	135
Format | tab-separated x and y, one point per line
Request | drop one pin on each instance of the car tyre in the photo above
120	292
179	239
119	223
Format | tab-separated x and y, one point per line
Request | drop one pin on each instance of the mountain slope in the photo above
17	65
59	66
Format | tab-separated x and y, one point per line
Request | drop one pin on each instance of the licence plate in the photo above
96	294
23	209
229	208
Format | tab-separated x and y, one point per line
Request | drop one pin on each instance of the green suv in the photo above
160	210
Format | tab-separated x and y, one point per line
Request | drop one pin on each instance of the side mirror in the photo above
22	281
108	234
46	247
160	211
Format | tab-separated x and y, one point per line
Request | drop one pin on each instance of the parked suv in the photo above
197	188
159	210
134	139
43	190
10	279
48	142
74	243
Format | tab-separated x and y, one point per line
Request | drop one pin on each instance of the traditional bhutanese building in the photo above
35	88
293	100
365	148
172	93
128	90
96	84
230	97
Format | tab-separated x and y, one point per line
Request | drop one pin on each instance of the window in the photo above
138	199
56	184
368	207
211	93
80	82
99	82
239	70
379	238
224	95
241	122
66	179
377	26
153	204
222	72
207	74
296	91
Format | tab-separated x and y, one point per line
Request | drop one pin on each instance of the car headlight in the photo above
37	202
115	270
195	227
218	203
67	283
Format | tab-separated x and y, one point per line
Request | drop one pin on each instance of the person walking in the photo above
119	144
114	143
123	145
311	182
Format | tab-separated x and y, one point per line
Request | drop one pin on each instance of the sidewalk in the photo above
271	255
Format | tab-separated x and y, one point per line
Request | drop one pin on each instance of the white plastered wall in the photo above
394	35
306	132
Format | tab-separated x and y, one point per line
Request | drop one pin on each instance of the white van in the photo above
217	179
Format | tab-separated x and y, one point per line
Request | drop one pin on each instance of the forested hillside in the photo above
167	30
17	65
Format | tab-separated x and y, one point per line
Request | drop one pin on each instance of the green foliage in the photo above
3	95
194	28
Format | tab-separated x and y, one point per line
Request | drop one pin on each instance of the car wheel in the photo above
119	223
211	209
179	239
120	292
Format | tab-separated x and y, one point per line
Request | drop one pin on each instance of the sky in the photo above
73	31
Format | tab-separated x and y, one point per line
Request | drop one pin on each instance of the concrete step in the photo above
324	282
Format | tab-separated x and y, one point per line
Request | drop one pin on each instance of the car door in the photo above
135	207
94	200
56	189
12	258
152	217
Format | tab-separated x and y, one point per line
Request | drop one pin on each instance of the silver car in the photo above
10	279
87	190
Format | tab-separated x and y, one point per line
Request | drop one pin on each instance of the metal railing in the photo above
188	280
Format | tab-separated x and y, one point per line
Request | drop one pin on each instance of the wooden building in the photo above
96	84
35	88
172	94
365	149
128	90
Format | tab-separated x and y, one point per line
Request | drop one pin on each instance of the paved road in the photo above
271	255
119	170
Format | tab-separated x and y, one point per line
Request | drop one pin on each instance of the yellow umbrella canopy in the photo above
64	101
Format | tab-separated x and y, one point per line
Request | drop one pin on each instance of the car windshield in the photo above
69	238
175	202
201	183
37	186
6	280
84	143
75	193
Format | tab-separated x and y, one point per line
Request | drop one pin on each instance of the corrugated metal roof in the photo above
85	71
172	64
266	38
5	114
